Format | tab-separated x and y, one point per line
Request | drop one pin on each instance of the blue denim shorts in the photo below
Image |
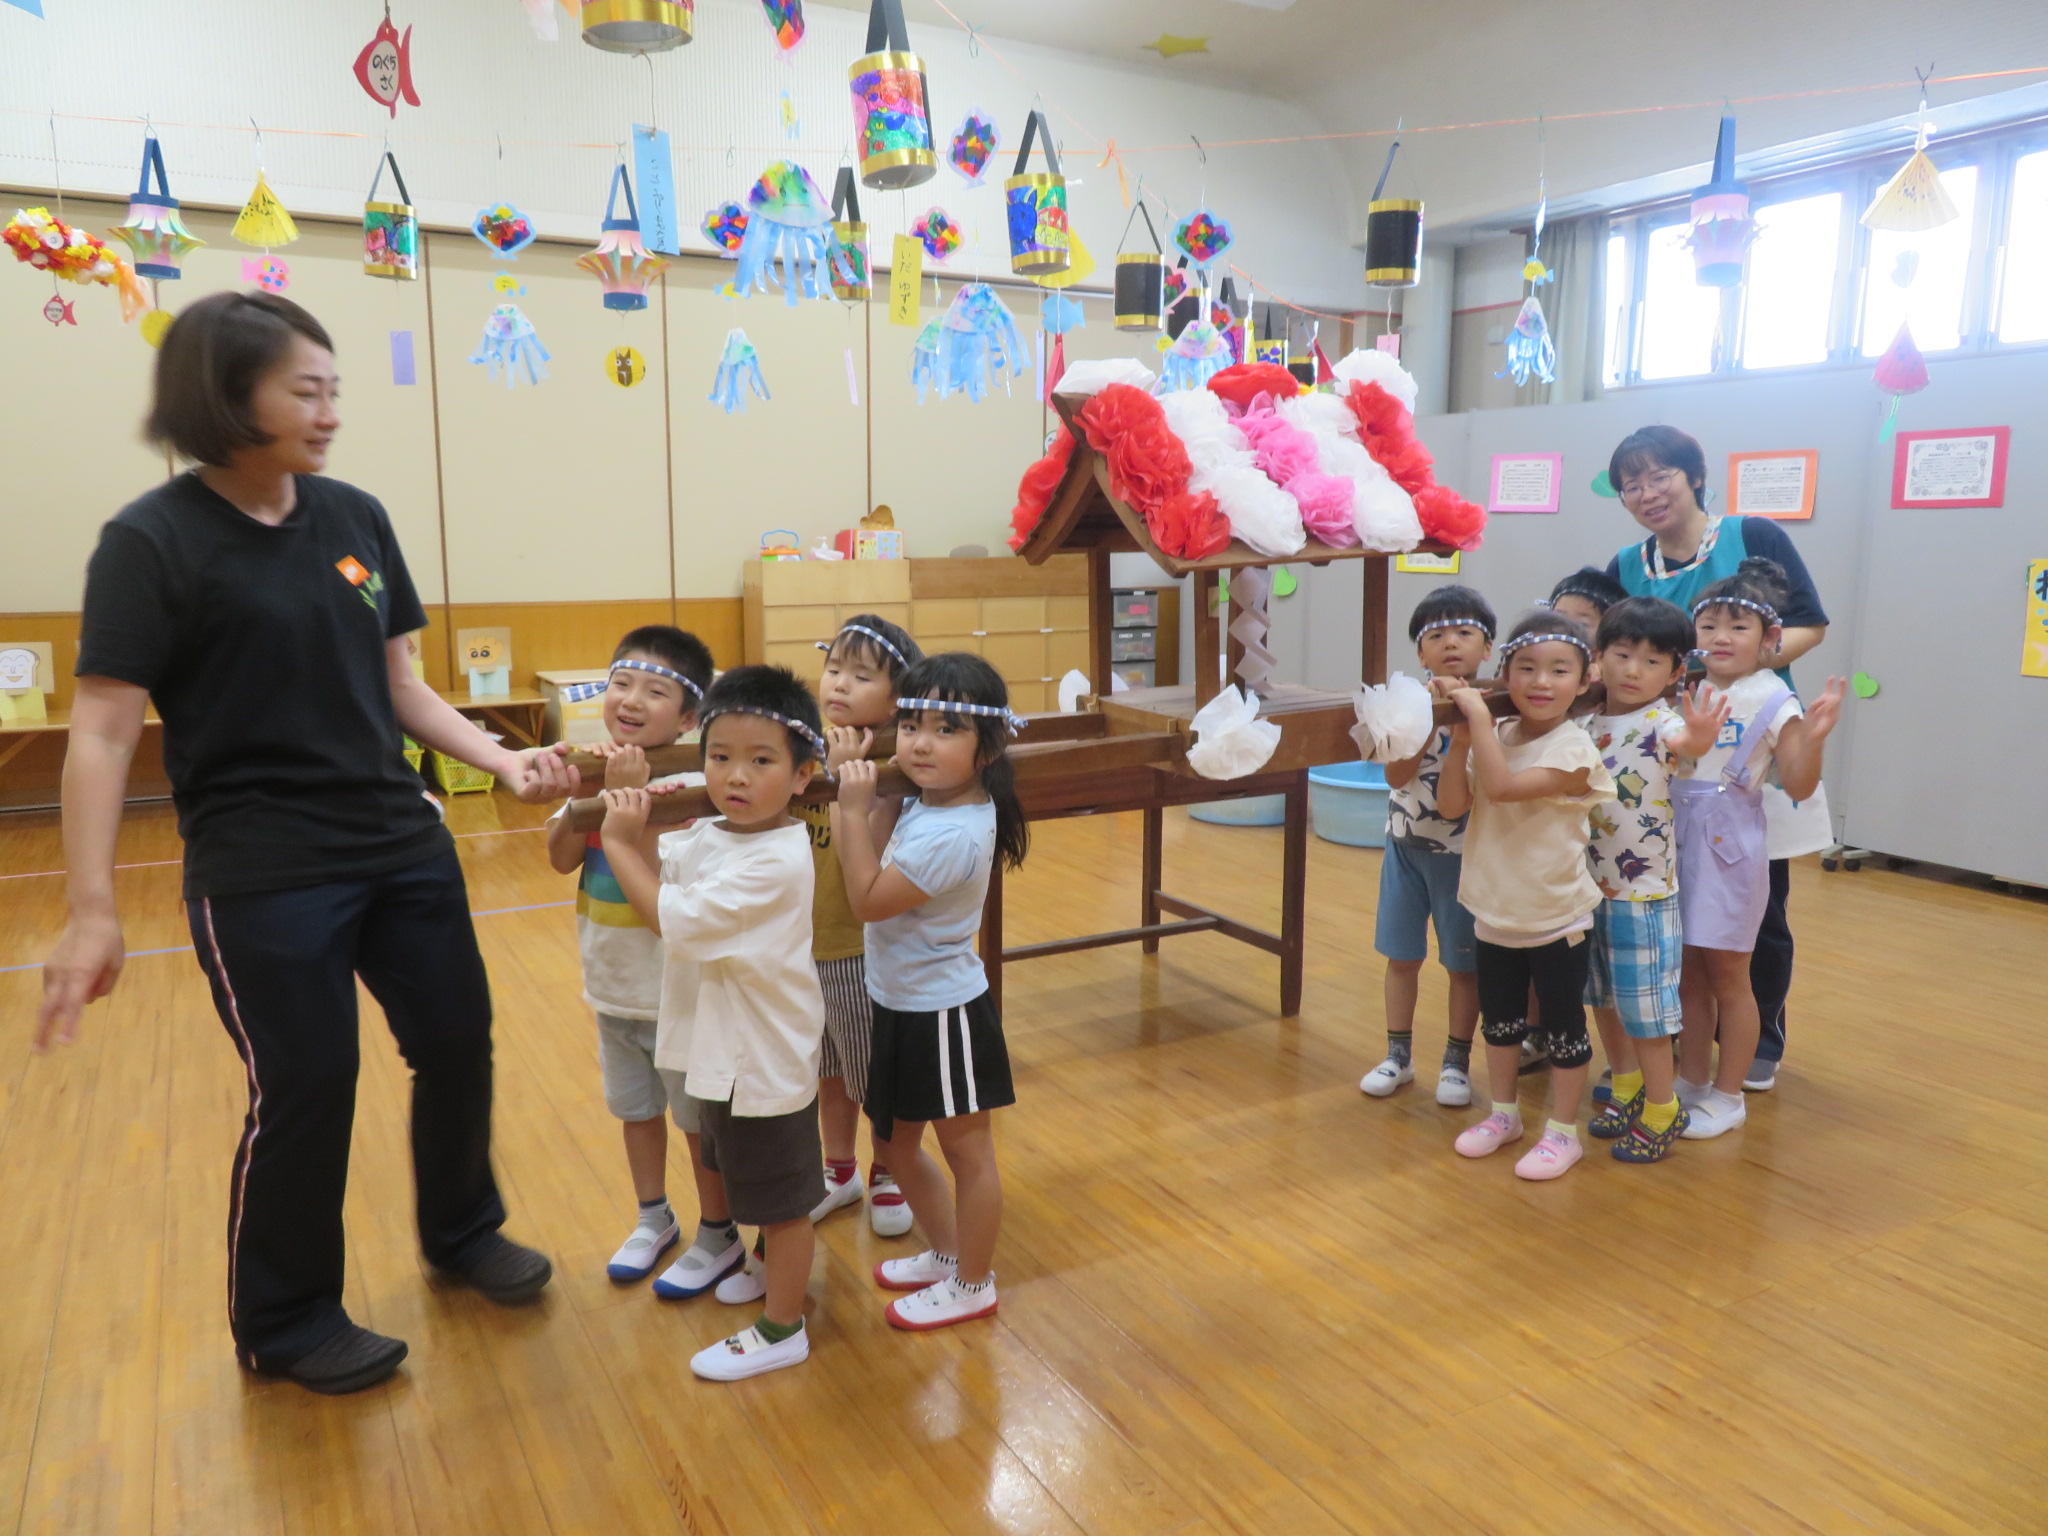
1417	886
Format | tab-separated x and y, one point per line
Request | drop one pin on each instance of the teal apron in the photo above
1684	586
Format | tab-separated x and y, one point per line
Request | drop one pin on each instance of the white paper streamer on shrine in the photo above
1251	588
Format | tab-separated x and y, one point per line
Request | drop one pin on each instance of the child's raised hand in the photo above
1825	713
845	744
1703	721
625	767
625	813
857	786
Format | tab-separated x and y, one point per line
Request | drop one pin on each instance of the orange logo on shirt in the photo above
353	569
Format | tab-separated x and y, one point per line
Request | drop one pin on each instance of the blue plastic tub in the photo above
1252	811
1347	803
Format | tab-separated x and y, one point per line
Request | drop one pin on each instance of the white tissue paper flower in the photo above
1095	375
1382	513
1231	740
1394	719
1369	365
1261	514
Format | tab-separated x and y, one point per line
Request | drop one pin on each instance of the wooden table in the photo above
520	714
16	735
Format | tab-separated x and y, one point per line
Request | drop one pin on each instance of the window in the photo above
1790	288
1620	290
1918	279
1678	315
2023	308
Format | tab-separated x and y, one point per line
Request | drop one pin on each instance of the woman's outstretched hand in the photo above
82	969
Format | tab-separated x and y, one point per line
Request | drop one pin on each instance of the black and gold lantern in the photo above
637	26
1140	279
1393	234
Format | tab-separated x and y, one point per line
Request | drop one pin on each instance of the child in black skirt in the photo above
938	1052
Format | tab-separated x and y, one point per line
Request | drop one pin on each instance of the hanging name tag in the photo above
906	275
654	179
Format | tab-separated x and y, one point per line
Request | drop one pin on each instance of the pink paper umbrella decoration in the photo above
620	261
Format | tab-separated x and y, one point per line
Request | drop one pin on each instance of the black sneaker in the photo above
353	1359
505	1271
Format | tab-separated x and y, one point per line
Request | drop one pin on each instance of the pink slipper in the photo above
1489	1135
1552	1155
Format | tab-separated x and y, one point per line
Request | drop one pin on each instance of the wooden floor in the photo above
1236	1295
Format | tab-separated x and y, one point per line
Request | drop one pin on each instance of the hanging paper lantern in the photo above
504	229
1202	237
511	346
620	261
786	18
938	233
977	342
636	26
1037	202
1393	242
1722	228
892	122
1531	353
264	220
1914	200
391	231
725	226
739	369
852	280
1139	280
154	232
384	67
974	146
1900	372
788	219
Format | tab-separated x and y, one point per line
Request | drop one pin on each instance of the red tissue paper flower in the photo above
1034	491
1147	463
1241	383
1449	518
1388	432
1190	526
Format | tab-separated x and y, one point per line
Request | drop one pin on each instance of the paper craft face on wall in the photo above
384	67
504	229
17	669
938	233
625	367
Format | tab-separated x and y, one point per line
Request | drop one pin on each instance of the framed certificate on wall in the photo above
1775	484
1960	467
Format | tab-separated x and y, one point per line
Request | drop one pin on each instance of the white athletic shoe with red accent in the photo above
888	1212
915	1272
944	1304
838	1196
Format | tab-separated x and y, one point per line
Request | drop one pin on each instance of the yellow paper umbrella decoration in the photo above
264	221
154	231
1914	199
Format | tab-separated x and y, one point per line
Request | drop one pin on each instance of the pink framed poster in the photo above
1525	482
1958	467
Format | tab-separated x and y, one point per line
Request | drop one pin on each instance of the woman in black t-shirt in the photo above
266	611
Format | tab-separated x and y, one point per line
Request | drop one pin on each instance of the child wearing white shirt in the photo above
742	1015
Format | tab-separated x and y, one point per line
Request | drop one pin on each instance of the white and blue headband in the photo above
875	635
1765	610
1481	625
1000	712
816	741
1522	642
575	693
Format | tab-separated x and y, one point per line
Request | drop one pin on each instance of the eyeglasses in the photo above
1635	490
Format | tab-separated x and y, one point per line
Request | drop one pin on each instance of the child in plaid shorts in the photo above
1638	945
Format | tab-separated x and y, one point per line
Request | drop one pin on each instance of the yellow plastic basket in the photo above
459	778
415	754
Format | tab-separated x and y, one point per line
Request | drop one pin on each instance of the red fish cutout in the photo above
384	67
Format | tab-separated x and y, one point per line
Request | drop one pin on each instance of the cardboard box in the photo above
869	543
574	720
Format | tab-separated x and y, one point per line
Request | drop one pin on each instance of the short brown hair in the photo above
207	369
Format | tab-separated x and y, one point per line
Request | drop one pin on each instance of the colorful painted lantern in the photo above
391	231
620	261
1140	279
1722	228
851	278
1037	202
637	26
892	123
154	232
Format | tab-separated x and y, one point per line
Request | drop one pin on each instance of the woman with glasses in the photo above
1661	474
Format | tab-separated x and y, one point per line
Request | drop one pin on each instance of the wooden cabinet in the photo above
1029	621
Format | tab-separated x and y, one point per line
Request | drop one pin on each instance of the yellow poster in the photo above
2034	649
906	274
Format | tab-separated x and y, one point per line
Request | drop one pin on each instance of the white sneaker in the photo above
1453	1088
888	1212
1715	1115
638	1255
745	1284
1692	1095
699	1269
915	1272
1386	1077
944	1304
746	1354
838	1196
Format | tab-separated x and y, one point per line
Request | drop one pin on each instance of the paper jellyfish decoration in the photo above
154	232
504	229
1202	237
725	226
621	262
1722	228
1914	200
1900	372
739	370
788	219
851	278
636	26
1393	234
975	343
1531	353
391	231
1196	356
1140	278
892	124
939	234
511	346
786	19
1037	204
264	220
384	67
974	145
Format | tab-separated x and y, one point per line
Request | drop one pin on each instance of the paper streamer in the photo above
852	384
1038	371
402	370
1250	589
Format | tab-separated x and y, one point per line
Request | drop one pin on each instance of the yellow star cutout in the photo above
1171	47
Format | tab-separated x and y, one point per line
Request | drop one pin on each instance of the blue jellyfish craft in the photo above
510	344
788	219
1197	355
977	338
1530	349
739	369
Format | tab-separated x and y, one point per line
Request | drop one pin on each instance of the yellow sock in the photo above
1627	1085
1658	1117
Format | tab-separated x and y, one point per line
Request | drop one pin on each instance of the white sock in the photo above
1723	1101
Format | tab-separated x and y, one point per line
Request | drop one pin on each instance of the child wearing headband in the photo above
657	681
939	1055
1586	595
741	1012
1452	629
1723	867
1530	783
865	664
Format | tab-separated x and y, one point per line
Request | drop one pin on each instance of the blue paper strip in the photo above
401	358
654	179
33	7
